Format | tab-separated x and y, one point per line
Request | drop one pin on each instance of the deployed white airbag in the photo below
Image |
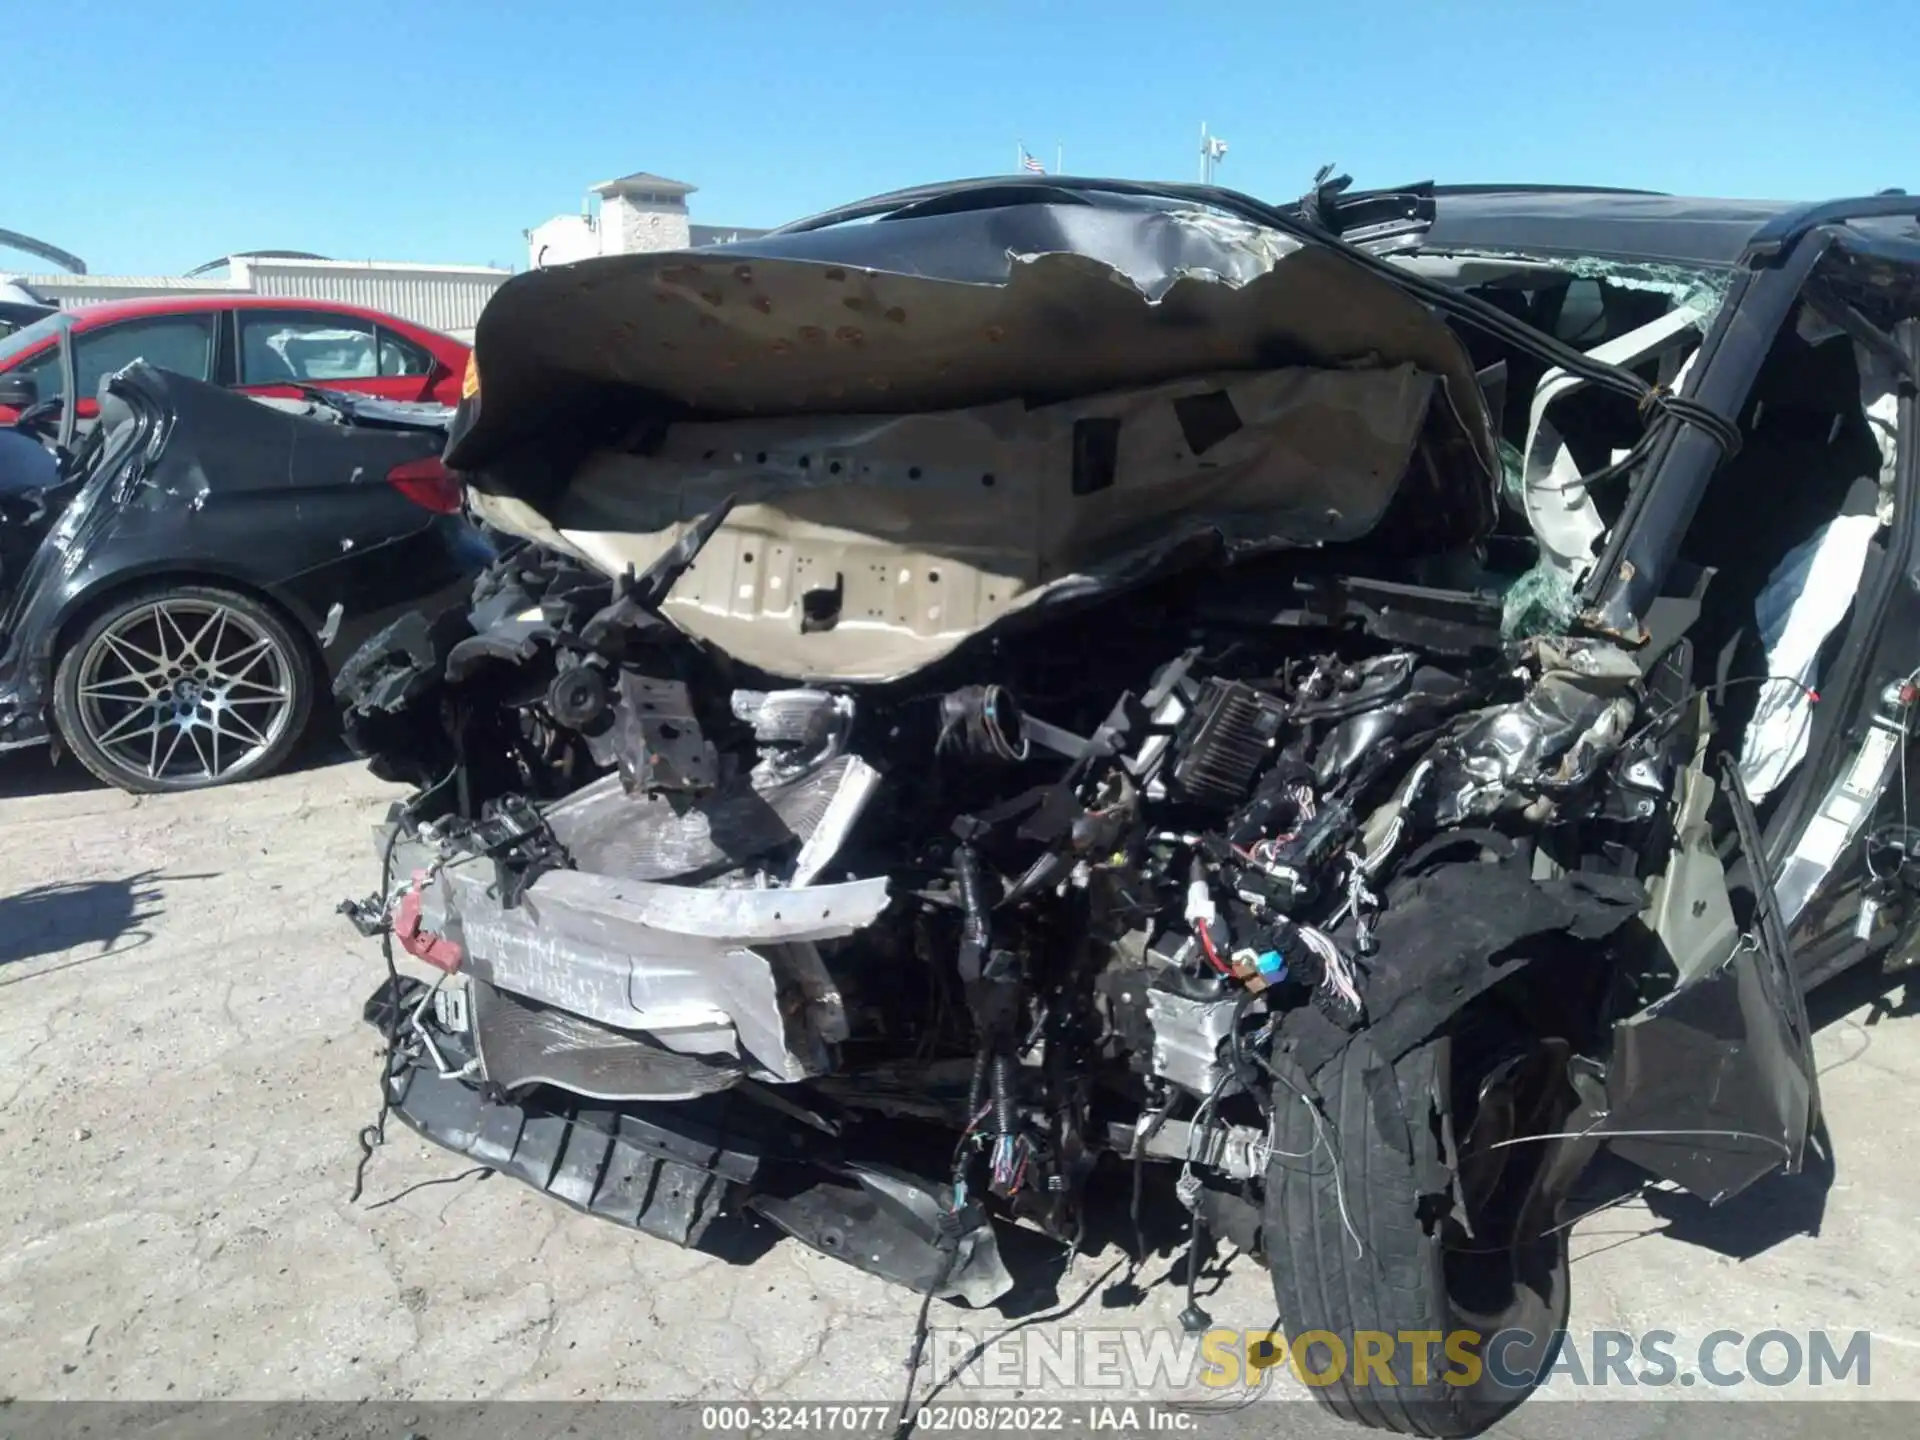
1805	598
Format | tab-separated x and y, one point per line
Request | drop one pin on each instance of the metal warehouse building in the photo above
637	212
444	297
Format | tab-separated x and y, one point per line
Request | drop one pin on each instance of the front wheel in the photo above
1419	1295
181	688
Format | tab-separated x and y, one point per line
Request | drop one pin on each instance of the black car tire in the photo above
1356	1167
282	657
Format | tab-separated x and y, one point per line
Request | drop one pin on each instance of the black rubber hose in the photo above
982	722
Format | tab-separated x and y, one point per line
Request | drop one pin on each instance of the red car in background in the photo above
261	344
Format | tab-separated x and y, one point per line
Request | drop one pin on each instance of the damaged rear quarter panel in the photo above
262	496
212	486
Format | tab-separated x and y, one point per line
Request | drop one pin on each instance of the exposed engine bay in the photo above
886	818
1067	909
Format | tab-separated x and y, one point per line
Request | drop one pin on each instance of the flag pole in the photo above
1019	155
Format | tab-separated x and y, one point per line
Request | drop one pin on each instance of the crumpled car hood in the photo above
1060	441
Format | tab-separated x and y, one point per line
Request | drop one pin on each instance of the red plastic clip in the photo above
435	950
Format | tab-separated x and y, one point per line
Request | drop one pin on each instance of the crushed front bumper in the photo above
672	1169
620	1164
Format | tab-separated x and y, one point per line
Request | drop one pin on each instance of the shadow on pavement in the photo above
71	914
1866	985
30	772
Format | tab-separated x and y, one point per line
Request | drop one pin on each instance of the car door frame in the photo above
1867	714
1743	1017
226	351
406	388
376	384
65	351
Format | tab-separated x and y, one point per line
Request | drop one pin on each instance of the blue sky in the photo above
149	138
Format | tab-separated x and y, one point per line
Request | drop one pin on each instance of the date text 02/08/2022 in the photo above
962	1418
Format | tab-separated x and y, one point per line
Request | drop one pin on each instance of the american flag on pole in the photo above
1027	162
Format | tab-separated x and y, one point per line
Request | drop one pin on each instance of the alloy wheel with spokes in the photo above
183	689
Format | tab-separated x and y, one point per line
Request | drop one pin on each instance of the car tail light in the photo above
429	484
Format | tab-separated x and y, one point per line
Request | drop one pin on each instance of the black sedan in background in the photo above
179	585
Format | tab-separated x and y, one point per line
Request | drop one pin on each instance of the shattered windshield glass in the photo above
1700	288
1554	434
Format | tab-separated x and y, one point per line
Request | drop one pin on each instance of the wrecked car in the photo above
178	585
1071	675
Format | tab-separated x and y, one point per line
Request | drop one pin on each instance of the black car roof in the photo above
1544	221
1639	225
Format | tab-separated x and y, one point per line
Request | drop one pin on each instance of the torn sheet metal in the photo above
1712	1086
1544	745
701	972
1200	853
1688	906
520	1042
893	1225
935	310
667	1169
30	615
865	547
1416	699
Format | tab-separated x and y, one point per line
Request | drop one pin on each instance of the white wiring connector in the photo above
1200	907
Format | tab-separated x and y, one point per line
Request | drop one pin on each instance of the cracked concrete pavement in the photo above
183	1071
